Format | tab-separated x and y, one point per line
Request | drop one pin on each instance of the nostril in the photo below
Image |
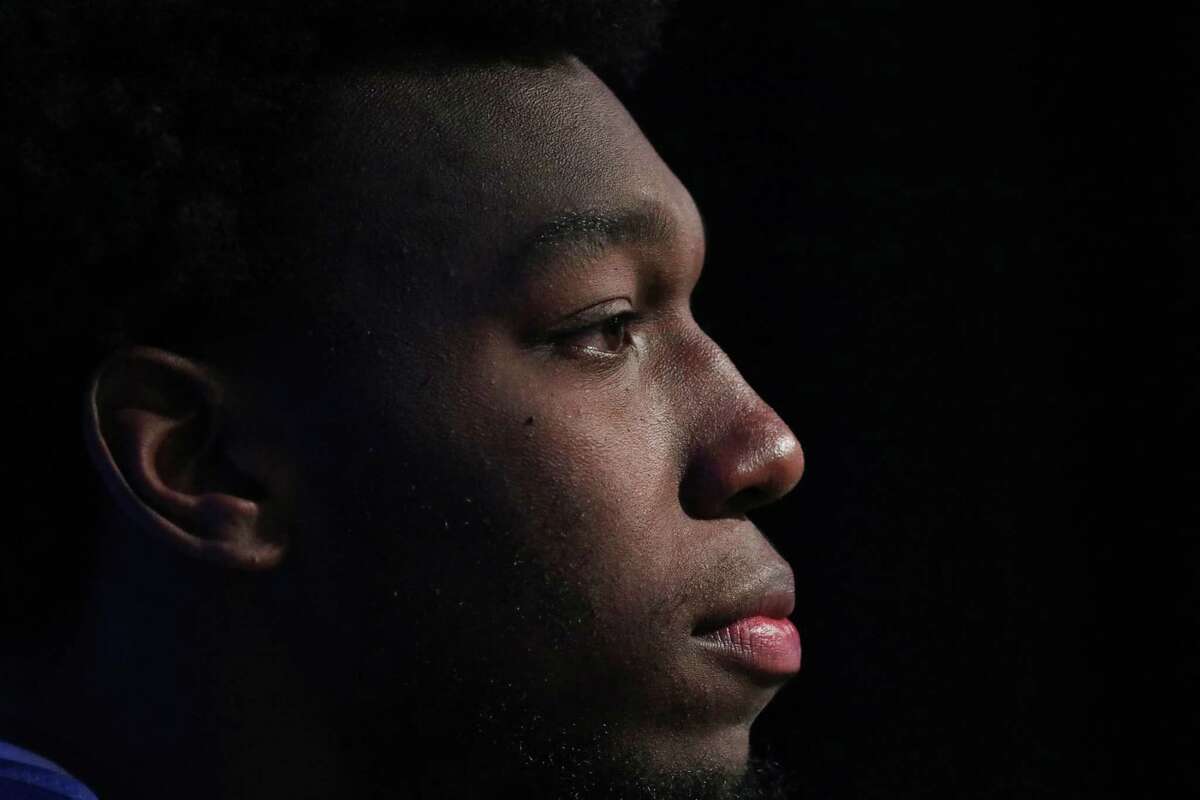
753	461
748	498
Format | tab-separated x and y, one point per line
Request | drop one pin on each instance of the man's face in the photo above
523	479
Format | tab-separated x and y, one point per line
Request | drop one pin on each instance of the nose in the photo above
743	455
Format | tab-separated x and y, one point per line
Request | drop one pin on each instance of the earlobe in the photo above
153	425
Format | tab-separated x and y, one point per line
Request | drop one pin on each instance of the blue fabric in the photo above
26	776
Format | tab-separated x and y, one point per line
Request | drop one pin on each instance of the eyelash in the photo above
625	320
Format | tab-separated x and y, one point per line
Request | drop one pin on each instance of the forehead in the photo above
469	159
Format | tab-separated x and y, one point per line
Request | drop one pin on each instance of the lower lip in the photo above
764	645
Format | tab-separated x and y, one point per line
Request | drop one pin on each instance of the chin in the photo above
714	764
728	747
719	750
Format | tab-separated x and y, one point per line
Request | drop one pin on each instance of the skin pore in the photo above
454	522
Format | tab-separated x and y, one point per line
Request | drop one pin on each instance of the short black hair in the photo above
126	130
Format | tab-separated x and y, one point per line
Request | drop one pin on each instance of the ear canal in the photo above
233	478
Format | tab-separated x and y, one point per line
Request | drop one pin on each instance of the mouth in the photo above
751	631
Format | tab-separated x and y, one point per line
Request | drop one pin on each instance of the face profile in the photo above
460	506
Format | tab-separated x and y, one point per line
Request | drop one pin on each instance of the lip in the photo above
772	594
764	646
749	627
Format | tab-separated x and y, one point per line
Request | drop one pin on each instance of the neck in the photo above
181	677
177	677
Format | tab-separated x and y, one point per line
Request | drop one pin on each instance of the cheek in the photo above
589	481
586	479
530	527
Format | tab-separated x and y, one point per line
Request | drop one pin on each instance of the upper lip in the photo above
769	593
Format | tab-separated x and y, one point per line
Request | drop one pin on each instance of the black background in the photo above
956	250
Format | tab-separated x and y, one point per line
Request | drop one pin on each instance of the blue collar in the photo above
28	776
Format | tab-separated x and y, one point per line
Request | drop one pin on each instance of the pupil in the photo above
614	331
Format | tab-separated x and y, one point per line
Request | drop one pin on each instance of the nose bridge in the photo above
721	394
740	454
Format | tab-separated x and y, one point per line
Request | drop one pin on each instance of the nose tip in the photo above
783	466
751	464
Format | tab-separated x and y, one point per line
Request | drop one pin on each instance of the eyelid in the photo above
593	315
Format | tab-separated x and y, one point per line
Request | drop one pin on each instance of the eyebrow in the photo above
588	233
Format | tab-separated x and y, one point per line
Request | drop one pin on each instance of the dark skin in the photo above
493	507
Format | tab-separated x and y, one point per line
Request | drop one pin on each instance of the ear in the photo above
155	428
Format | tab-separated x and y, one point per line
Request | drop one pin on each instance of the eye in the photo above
606	337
